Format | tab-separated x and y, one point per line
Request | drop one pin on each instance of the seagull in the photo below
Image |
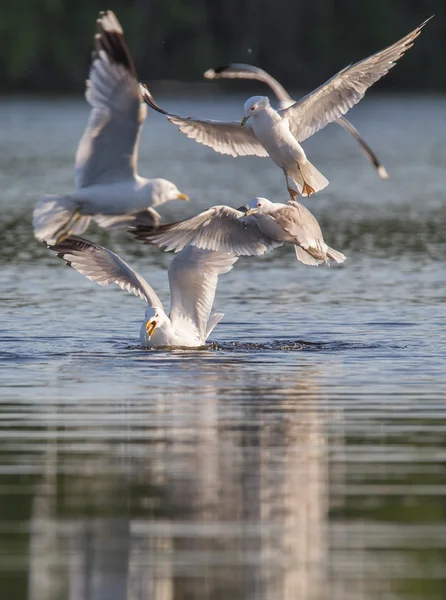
244	71
265	131
108	188
193	276
253	230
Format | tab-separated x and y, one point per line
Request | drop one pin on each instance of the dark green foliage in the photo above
46	44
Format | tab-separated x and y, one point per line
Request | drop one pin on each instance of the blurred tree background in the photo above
46	44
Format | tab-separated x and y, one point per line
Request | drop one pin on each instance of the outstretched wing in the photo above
108	150
193	277
220	228
103	267
224	137
335	97
243	71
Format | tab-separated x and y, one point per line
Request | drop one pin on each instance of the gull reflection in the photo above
207	494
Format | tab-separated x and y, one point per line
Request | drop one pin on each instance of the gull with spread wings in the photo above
193	276
252	230
265	131
284	100
108	188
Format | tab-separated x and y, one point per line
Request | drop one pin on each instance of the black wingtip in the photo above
112	42
219	70
150	100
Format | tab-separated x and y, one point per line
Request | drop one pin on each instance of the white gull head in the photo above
156	328
254	106
161	190
260	205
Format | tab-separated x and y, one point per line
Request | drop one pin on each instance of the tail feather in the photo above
311	175
52	217
335	255
305	258
212	322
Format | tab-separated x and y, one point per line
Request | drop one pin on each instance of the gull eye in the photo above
259	204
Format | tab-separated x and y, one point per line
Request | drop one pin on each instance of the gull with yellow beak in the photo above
193	276
108	188
278	134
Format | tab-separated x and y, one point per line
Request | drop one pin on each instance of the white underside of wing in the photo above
193	277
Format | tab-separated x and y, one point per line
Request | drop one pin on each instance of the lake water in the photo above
302	455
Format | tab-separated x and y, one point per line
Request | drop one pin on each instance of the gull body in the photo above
108	188
158	331
262	211
114	199
273	132
292	223
311	113
253	230
193	276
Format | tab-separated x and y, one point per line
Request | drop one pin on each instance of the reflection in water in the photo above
227	499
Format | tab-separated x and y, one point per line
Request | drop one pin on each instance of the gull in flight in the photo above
254	229
193	276
244	71
108	188
265	131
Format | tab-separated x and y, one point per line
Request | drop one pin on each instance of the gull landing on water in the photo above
193	276
253	230
278	133
244	71
108	188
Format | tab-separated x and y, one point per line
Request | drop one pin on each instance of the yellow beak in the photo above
150	328
249	212
242	124
183	197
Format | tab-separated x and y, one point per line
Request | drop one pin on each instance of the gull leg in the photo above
292	192
306	188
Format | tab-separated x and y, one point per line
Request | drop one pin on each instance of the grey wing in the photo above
297	220
303	226
335	97
193	277
244	71
220	228
103	267
108	150
368	152
224	137
300	223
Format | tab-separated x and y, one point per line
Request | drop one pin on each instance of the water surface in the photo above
302	454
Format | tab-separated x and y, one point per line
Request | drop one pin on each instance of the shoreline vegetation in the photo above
46	46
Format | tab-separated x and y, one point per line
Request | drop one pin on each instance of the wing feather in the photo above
226	137
108	150
193	277
244	71
103	267
219	228
345	89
